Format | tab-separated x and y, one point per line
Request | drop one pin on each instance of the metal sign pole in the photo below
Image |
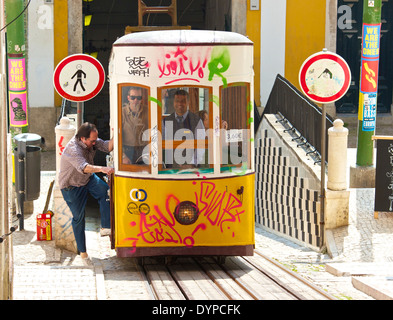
323	157
78	115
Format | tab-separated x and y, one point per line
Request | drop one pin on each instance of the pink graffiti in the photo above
178	63
159	226
211	205
216	210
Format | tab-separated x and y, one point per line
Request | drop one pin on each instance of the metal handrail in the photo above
303	115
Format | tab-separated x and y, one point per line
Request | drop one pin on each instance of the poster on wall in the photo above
369	111
18	108
369	75
17	92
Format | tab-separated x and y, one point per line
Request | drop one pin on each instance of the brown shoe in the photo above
105	232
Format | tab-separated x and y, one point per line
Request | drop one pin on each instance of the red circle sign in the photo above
79	77
324	77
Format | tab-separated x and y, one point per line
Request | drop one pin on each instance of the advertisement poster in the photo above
17	92
369	74
369	111
18	108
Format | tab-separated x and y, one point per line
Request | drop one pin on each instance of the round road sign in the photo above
325	77
79	77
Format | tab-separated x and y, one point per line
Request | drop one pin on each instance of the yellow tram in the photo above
181	105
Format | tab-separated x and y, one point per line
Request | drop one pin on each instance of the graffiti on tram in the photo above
221	210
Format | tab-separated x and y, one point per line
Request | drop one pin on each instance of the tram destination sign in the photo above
325	77
79	77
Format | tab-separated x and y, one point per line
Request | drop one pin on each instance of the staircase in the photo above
287	193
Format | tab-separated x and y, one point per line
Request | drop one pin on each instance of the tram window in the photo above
235	111
184	136
134	123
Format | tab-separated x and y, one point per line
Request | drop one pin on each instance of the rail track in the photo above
239	278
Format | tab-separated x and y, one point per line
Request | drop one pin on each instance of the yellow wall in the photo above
253	31
60	32
305	34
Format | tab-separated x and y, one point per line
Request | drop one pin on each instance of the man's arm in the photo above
104	146
94	169
110	146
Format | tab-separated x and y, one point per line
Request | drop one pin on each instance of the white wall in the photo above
273	17
40	54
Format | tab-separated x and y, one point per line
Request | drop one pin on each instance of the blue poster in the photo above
371	40
369	111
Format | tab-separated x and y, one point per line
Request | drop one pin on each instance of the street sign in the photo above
79	77
324	77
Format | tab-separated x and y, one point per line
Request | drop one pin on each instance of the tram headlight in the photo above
186	213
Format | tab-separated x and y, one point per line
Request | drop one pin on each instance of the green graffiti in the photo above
215	100
219	63
249	106
156	101
243	170
250	120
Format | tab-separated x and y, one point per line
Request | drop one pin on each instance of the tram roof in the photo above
182	37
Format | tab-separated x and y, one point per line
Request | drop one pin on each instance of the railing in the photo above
304	116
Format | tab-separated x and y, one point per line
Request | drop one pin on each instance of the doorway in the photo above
349	40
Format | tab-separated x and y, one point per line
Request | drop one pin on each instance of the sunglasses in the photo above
135	97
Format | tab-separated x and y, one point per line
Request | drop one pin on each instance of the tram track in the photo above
295	284
240	278
301	279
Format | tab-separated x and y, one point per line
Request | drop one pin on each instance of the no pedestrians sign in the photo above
79	77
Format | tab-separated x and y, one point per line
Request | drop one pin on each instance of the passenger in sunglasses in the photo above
134	123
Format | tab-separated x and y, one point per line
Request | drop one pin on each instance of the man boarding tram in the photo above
77	178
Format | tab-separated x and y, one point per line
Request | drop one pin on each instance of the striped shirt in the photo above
76	156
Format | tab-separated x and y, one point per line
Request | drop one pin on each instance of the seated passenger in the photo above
134	123
182	124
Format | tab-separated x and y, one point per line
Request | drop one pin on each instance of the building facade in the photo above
284	32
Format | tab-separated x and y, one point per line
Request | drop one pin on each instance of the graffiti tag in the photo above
180	63
138	66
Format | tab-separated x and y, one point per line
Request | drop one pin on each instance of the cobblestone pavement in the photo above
365	247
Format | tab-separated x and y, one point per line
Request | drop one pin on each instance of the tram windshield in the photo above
183	127
186	127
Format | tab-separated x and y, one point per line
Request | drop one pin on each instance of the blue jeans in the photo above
76	198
